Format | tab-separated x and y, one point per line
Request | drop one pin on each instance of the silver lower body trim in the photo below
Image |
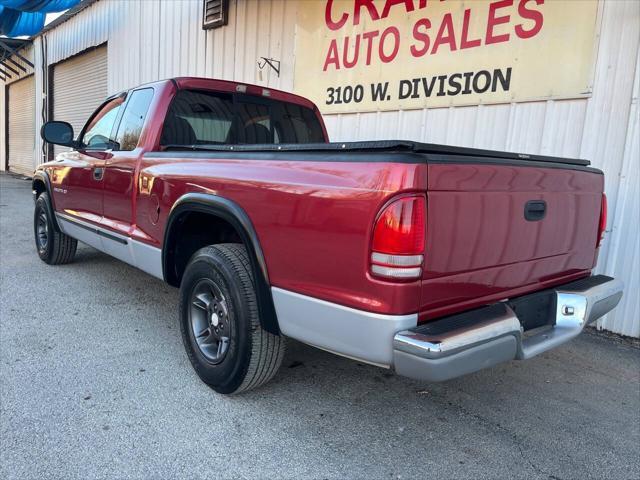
495	334
349	332
135	253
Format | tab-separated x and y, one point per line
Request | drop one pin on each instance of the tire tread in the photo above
267	350
63	247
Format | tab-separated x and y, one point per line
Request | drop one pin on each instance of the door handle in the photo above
535	210
98	173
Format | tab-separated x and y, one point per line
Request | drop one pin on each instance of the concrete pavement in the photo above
94	383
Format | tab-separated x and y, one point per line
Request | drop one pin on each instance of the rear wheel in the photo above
54	247
220	325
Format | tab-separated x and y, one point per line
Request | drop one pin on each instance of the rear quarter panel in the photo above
313	219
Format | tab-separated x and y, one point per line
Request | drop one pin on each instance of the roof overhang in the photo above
66	16
9	54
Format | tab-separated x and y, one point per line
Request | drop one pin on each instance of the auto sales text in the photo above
429	36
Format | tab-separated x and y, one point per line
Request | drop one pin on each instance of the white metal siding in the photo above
149	40
22	129
603	129
623	259
28	53
3	120
79	87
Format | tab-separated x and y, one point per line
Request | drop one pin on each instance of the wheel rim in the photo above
42	231
209	320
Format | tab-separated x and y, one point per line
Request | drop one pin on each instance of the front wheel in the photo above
219	321
54	247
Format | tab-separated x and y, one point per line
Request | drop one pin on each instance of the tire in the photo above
53	246
220	325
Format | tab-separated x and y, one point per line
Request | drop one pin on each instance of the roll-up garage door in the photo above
79	87
22	128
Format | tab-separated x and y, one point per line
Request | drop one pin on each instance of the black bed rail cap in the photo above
381	145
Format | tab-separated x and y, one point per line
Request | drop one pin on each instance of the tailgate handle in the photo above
535	210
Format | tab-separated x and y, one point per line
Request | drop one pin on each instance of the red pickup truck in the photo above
434	261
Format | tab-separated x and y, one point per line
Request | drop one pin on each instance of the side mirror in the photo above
60	133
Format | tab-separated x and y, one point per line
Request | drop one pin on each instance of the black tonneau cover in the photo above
385	146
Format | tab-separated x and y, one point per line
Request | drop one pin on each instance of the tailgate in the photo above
500	230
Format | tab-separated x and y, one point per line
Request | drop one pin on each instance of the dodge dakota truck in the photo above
431	260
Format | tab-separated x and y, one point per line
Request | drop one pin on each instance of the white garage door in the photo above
22	128
79	87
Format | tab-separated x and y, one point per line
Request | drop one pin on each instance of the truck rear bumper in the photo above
468	342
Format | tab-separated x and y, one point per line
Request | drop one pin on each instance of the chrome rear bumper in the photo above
468	342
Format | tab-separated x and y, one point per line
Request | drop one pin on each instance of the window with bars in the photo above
216	13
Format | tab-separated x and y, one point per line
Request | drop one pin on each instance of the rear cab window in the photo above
296	124
253	123
214	118
196	117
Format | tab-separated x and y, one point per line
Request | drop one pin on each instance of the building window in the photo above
216	13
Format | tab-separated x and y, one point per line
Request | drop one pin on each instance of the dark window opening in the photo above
201	118
295	124
254	123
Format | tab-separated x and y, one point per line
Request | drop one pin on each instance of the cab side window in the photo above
97	133
133	118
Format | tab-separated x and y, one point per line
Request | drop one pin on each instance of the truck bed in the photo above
480	248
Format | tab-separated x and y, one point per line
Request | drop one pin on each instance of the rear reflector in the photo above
402	273
396	260
602	225
399	239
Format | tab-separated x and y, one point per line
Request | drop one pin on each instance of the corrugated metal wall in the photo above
2	126
79	86
623	258
149	40
28	53
603	129
22	132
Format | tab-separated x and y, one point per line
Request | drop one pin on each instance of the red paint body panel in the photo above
314	219
481	249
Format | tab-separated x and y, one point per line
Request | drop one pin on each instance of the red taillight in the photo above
399	239
602	225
